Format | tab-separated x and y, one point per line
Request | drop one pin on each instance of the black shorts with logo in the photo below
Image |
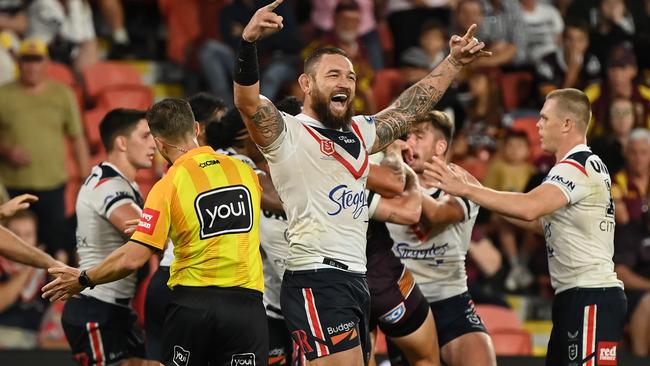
455	317
326	311
215	326
587	326
396	304
101	333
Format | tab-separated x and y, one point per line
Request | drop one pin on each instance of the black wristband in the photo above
247	70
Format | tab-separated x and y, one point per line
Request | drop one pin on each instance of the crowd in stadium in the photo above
65	63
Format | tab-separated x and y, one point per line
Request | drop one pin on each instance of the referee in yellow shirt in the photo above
208	204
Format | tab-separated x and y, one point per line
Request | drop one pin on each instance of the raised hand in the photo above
466	49
16	204
263	23
64	286
438	175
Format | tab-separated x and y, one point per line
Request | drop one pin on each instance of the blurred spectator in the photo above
51	335
67	27
609	21
620	83
406	17
207	109
322	16
113	13
544	25
433	40
8	47
504	30
503	50
21	306
611	145
632	240
641	12
485	107
630	186
35	116
510	171
217	62
571	66
345	36
13	16
279	53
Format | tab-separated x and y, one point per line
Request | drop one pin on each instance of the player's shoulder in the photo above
108	179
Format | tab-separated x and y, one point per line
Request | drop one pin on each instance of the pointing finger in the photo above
274	5
470	32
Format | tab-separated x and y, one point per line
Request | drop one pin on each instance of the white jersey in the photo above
320	175
437	262
580	235
275	245
105	190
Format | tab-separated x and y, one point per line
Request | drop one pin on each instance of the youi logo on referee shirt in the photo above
346	199
225	210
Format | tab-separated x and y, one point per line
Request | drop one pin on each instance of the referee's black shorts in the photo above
587	326
215	326
326	311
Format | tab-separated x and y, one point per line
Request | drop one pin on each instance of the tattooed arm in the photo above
413	105
262	119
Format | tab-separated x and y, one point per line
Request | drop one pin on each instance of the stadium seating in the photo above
529	126
507	331
104	76
515	86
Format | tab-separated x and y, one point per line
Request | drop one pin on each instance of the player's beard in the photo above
320	105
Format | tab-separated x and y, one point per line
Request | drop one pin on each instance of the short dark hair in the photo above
171	119
290	105
346	5
223	134
118	122
580	24
315	56
433	25
204	105
511	134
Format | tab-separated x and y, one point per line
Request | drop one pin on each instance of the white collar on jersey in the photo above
117	170
575	149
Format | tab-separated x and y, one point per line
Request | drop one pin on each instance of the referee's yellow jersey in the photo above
208	204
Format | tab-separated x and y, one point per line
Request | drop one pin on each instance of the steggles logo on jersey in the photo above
403	250
224	211
347	199
148	220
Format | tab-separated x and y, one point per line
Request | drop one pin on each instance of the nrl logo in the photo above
327	147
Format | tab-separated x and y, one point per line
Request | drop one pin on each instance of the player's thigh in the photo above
351	357
469	349
421	346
